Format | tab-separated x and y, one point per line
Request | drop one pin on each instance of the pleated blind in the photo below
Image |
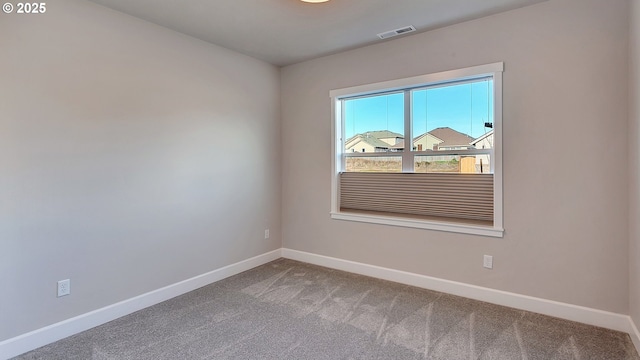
459	196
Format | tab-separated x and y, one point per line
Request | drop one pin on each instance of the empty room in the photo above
337	179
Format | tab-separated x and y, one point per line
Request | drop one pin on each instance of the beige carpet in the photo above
291	310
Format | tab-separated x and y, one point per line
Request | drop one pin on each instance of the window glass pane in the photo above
374	164
374	123
453	117
467	164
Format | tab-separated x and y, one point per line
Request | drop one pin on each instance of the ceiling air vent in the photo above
396	32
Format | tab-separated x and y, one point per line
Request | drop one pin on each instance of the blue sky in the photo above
463	107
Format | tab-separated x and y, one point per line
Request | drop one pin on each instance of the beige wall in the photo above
427	142
634	153
486	143
566	219
391	141
359	146
123	160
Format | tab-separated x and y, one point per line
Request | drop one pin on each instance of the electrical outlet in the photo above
488	262
266	233
64	287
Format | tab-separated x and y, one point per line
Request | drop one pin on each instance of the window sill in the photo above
463	228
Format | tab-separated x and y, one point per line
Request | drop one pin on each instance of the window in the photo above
421	152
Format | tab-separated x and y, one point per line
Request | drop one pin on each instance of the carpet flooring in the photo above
292	310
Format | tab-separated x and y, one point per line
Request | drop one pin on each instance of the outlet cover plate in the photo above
488	262
64	287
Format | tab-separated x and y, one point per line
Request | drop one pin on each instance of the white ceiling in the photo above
284	32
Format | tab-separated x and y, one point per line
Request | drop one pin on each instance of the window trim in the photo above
452	76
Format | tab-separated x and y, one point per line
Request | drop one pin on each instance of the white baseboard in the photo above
634	334
557	309
40	337
46	335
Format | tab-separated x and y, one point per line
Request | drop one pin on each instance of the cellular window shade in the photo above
459	196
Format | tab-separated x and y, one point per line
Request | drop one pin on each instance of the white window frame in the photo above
337	150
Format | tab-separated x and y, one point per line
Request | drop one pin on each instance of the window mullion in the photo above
342	139
407	154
